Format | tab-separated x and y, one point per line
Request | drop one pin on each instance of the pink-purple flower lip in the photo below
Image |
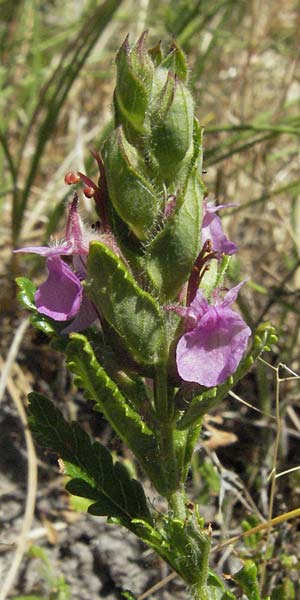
215	341
62	297
212	230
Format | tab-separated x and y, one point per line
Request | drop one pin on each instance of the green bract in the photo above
171	124
154	153
133	313
132	195
178	242
135	71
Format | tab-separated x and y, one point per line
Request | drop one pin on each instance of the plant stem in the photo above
177	503
200	593
166	430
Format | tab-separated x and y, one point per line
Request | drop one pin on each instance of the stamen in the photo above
199	269
71	178
101	194
88	182
89	192
73	228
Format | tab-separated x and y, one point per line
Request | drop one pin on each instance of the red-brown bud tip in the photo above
71	177
88	192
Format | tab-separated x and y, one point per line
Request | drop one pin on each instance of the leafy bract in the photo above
132	195
26	293
133	313
171	254
125	421
90	466
247	579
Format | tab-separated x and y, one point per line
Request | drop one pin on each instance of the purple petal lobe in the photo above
61	295
84	318
49	251
212	230
75	233
232	295
212	208
213	350
196	310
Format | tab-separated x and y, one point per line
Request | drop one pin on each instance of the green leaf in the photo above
132	195
89	465
133	313
172	123
247	579
44	323
30	597
26	293
251	541
202	403
176	61
285	591
129	595
171	255
190	547
216	589
127	423
134	81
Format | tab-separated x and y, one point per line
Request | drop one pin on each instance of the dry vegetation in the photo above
245	73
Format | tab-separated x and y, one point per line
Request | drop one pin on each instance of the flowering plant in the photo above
142	322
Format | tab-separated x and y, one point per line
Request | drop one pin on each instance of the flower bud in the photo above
132	195
135	71
176	61
171	254
171	124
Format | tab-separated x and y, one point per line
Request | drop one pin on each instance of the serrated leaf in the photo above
216	589
133	313
127	423
43	323
204	402
247	579
190	546
26	293
89	465
94	475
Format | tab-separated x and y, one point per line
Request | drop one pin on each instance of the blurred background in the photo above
57	78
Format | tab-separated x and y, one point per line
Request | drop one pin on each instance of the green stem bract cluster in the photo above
153	163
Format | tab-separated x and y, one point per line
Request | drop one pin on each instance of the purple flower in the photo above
215	342
212	230
62	296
